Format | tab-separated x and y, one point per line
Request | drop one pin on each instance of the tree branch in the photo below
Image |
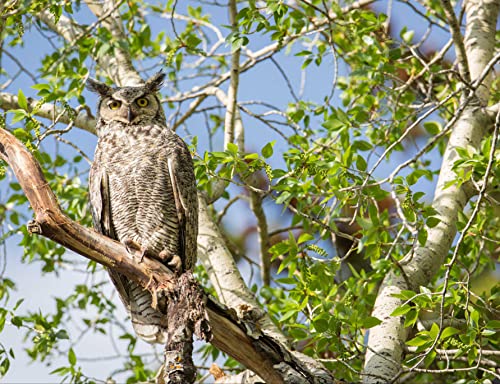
479	40
456	35
265	260
117	65
83	120
232	102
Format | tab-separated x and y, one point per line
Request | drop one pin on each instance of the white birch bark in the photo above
384	353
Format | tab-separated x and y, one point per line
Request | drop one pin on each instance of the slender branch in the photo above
463	66
232	93
265	259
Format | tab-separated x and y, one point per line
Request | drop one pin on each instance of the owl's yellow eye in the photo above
114	104
142	102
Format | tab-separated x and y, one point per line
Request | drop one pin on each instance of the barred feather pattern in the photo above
132	197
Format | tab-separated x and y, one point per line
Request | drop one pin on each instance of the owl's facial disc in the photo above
130	106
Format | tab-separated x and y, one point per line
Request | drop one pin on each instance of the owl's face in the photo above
129	105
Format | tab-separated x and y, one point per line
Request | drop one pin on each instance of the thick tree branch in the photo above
117	65
482	16
83	120
384	354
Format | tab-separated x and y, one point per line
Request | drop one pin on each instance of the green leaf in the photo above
418	341
434	331
321	325
488	332
400	311
71	357
422	236
305	237
18	303
21	100
17	321
288	315
495	324
19	115
432	221
411	318
232	148
62	334
370	322
448	332
433	127
361	163
61	371
429	358
251	156
267	151
407	36
41	86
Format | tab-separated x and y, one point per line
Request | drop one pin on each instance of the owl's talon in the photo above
133	247
174	262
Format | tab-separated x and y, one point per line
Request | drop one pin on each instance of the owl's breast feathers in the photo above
142	188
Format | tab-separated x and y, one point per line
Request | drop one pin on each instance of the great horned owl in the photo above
142	191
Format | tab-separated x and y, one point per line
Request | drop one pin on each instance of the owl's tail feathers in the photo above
149	324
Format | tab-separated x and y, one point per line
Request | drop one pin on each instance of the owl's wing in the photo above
100	205
182	179
180	206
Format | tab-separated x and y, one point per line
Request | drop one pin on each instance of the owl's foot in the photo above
174	262
133	246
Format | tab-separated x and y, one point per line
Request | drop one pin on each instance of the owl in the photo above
142	191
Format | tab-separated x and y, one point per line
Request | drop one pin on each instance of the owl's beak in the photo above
130	115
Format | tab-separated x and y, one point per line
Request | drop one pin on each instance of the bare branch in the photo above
265	259
456	35
232	93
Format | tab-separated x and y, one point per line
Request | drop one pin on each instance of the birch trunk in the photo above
384	354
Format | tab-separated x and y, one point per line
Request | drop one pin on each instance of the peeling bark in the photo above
186	316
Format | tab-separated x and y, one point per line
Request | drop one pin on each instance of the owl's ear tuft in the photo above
98	87
155	82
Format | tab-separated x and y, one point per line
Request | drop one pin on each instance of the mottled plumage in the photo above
142	190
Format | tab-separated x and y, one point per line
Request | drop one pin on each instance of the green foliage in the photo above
358	157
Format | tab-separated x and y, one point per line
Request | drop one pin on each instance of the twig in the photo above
456	35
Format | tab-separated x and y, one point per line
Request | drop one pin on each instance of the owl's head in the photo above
129	105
